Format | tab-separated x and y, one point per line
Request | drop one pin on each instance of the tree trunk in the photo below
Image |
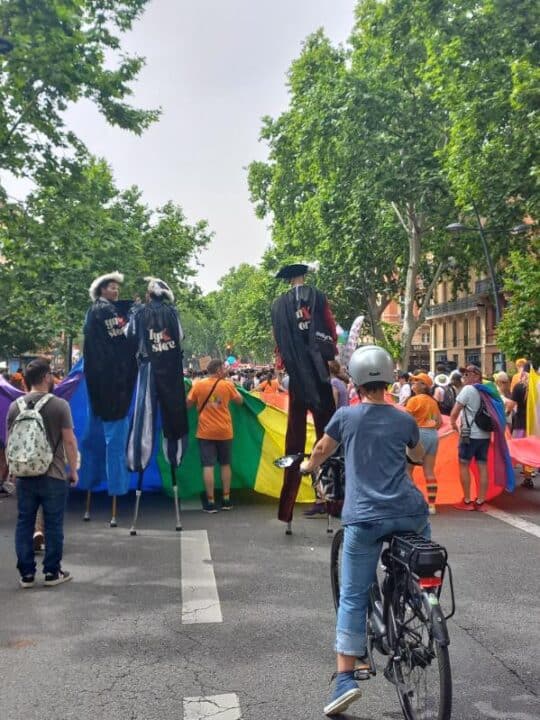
413	314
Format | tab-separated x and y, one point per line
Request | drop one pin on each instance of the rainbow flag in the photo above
533	404
259	438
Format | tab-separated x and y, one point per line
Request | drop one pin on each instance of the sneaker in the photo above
210	507
26	581
346	691
317	510
226	504
466	505
480	506
39	541
7	488
432	509
57	578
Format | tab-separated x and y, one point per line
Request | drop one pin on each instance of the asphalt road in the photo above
117	644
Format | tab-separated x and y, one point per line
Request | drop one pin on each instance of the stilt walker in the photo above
305	334
158	334
110	372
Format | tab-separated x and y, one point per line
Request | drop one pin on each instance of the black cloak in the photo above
305	353
158	334
109	359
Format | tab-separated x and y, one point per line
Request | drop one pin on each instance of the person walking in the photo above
211	397
49	489
473	441
425	410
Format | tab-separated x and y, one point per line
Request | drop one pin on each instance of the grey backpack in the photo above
28	451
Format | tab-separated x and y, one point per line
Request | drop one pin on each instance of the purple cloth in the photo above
8	393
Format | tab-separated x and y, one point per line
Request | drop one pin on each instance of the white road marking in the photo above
200	599
226	707
514	520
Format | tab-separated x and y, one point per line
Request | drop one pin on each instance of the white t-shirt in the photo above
404	393
469	397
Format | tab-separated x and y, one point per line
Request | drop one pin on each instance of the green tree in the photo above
483	68
73	227
64	51
242	305
518	334
320	204
353	178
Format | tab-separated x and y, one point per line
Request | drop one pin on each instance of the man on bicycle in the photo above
380	499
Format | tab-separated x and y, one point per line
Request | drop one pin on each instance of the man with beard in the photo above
157	332
305	334
110	370
48	490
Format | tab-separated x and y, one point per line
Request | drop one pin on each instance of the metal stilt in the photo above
86	516
176	502
138	493
113	513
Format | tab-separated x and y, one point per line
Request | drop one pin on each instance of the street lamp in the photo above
517	230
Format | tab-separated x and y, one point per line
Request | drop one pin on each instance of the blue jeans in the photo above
51	494
362	544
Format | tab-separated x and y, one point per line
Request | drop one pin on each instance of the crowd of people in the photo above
382	420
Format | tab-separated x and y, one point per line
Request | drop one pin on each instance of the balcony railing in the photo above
449	308
483	287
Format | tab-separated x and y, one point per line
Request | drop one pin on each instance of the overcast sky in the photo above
215	67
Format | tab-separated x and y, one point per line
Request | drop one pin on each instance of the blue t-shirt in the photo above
374	440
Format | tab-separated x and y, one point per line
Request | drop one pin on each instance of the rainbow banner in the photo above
259	438
533	404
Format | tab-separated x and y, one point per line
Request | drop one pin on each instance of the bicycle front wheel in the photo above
422	674
335	566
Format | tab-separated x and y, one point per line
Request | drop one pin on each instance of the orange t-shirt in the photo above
215	422
269	386
424	410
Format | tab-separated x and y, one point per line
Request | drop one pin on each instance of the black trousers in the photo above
295	441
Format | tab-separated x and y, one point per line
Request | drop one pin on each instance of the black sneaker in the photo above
226	504
57	578
26	581
210	507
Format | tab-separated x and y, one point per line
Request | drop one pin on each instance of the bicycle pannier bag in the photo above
423	557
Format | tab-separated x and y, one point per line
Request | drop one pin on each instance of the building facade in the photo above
462	327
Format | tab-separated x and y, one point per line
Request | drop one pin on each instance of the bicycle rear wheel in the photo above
422	675
335	566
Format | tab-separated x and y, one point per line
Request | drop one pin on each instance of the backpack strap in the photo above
42	401
21	403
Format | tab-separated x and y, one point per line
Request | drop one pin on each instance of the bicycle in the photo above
327	481
405	622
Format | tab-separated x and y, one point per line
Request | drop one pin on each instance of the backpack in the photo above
28	451
449	399
483	418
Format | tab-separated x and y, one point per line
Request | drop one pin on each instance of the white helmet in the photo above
371	364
